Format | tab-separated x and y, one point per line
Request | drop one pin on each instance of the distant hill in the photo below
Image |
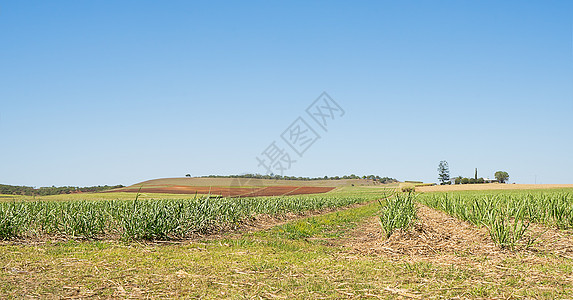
253	182
243	187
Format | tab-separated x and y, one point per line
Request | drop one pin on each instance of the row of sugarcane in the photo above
506	216
158	219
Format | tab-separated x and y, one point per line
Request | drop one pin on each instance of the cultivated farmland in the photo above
339	244
229	191
154	218
241	187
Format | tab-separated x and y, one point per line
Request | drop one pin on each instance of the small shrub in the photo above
408	189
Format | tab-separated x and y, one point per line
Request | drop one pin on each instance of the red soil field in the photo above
310	190
230	191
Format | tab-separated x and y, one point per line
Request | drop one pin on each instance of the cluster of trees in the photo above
465	180
53	190
273	176
501	176
444	176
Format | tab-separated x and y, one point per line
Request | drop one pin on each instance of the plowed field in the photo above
230	191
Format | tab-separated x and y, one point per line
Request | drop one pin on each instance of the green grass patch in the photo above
331	225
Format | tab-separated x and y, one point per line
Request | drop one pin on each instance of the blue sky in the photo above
116	92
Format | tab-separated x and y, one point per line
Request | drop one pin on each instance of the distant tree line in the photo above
273	176
500	176
464	180
53	190
444	176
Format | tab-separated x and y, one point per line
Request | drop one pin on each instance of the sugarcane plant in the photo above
397	211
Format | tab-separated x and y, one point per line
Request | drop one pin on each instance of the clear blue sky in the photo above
116	92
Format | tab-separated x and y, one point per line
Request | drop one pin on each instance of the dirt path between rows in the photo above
442	239
435	236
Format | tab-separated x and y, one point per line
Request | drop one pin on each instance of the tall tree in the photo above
501	176
444	172
476	175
